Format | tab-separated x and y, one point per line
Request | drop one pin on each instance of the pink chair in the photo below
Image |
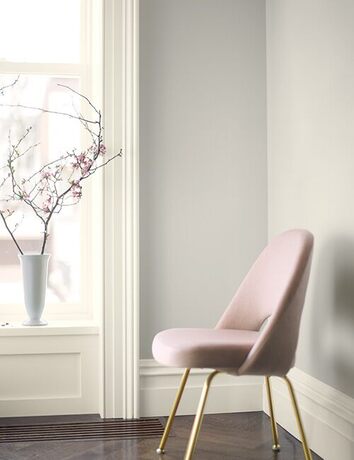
273	290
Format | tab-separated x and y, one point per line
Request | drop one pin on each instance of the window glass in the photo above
40	31
55	134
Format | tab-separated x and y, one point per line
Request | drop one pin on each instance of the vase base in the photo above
35	322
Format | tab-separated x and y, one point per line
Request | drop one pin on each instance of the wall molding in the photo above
120	383
327	413
158	386
130	159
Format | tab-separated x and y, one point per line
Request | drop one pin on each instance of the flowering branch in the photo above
58	183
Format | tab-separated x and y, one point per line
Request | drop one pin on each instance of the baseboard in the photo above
158	386
328	415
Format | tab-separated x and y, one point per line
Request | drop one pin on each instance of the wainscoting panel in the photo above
49	375
328	415
41	371
158	386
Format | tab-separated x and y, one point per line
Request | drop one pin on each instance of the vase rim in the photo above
33	254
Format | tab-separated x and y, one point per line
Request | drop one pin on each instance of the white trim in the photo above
159	385
130	16
328	415
61	328
112	321
121	312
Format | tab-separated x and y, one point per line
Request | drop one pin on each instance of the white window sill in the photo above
60	328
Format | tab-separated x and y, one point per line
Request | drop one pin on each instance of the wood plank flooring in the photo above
244	436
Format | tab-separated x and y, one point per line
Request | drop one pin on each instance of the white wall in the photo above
203	184
310	60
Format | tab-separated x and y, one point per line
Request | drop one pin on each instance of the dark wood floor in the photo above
244	436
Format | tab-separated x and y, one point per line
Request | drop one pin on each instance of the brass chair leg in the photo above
199	417
276	445
305	446
161	448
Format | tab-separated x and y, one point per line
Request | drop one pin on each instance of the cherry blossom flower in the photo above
76	191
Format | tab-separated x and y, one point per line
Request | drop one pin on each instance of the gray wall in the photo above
203	184
310	49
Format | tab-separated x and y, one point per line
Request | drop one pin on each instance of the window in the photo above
47	43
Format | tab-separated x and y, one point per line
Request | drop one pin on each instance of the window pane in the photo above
40	31
56	134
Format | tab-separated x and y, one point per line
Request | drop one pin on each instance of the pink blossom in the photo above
8	212
83	162
46	174
86	165
76	190
46	203
103	149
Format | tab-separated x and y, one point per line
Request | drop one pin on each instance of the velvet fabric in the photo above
274	290
204	348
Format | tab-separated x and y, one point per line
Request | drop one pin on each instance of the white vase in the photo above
34	276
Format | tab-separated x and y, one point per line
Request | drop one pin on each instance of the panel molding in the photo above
46	385
70	375
327	413
159	384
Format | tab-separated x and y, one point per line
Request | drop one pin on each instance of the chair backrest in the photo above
273	289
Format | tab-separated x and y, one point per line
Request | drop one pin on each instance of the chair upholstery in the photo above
204	348
274	289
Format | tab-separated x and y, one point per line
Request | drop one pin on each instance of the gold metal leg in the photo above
305	446
199	417
161	448
276	445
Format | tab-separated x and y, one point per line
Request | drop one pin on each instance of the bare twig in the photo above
10	232
80	95
54	112
9	86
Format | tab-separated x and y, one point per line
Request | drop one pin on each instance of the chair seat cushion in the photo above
203	348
